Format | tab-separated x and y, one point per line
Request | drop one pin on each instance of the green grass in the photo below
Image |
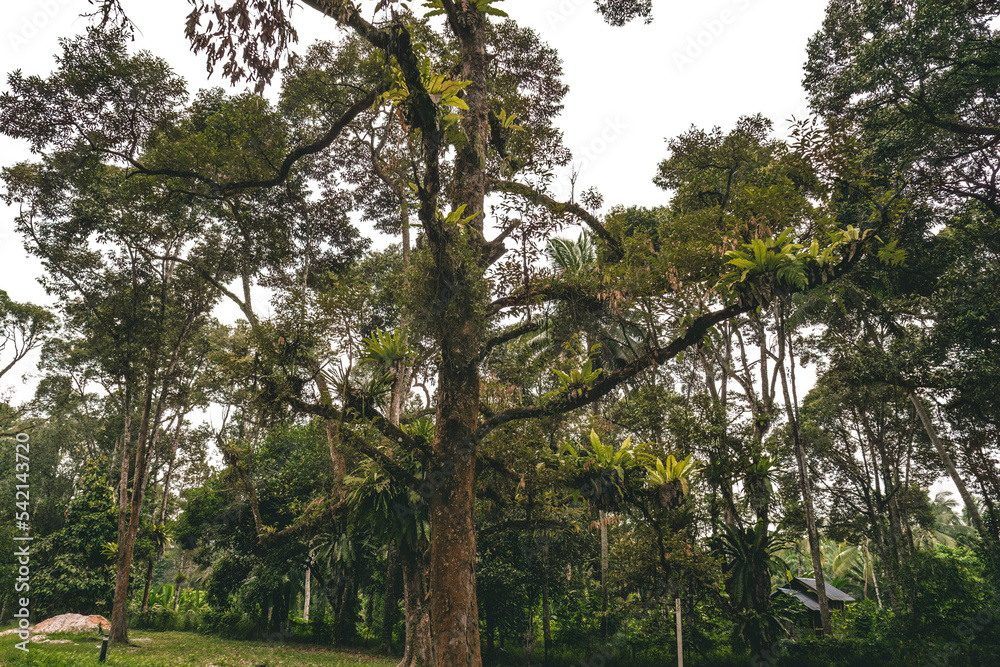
168	649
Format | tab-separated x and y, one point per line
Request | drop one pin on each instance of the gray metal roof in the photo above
831	592
802	597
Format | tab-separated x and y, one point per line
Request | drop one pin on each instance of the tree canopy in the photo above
527	416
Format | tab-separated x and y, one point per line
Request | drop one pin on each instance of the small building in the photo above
804	590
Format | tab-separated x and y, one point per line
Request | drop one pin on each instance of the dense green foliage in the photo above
624	402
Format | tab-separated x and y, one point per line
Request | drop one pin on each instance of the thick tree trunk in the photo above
419	648
459	264
279	612
400	391
119	609
454	611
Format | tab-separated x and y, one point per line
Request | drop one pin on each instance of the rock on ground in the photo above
69	623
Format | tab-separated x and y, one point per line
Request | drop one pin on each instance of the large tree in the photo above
455	113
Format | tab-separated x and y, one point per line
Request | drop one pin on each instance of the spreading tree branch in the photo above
510	334
560	208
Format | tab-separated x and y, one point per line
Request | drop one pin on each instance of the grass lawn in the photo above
168	649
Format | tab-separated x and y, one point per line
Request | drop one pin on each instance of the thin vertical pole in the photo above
602	515
680	635
307	595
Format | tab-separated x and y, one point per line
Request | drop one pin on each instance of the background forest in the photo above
531	430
